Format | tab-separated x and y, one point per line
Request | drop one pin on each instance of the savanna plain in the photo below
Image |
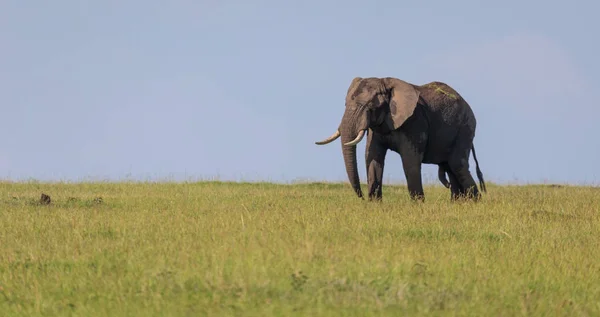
260	249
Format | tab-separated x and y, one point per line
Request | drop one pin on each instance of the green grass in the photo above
224	249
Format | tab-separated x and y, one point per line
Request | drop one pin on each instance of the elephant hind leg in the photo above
459	164
468	186
456	189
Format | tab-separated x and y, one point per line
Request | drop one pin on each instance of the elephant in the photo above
424	124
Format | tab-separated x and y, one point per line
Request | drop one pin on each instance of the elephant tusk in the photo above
359	137
330	139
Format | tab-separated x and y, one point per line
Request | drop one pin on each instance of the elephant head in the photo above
371	102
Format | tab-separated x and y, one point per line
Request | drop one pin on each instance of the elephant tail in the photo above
479	173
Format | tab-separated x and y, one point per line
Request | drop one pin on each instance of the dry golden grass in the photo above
224	249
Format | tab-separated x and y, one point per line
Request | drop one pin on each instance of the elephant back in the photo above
438	94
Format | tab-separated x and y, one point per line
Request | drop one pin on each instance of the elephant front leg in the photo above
374	159
412	170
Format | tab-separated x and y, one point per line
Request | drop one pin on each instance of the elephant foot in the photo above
473	193
470	194
375	198
359	193
418	198
375	193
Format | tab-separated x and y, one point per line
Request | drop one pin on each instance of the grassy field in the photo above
224	249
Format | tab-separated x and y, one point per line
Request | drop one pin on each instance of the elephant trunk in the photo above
349	152
352	133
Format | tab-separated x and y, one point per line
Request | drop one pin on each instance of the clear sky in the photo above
241	90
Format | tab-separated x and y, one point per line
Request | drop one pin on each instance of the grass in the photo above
225	249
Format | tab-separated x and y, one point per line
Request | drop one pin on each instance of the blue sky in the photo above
241	90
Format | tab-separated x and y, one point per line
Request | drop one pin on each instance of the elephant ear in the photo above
403	100
352	88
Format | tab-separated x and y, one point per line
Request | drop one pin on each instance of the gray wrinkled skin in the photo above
429	124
